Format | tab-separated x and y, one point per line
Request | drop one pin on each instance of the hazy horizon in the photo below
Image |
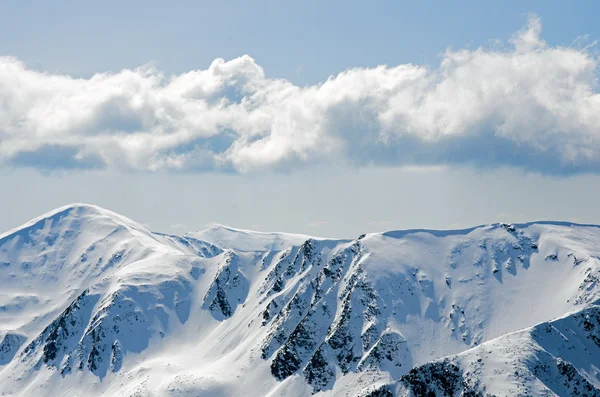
378	117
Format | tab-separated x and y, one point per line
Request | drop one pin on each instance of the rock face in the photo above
94	332
64	333
10	343
95	304
228	289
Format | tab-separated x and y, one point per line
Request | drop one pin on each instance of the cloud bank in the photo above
523	104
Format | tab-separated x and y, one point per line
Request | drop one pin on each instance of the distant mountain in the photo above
94	304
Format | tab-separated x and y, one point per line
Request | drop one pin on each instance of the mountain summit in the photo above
92	303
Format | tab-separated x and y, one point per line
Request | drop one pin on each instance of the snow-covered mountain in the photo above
92	303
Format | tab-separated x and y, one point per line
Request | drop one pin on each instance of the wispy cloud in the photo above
526	104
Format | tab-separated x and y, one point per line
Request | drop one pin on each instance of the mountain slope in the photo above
92	303
560	357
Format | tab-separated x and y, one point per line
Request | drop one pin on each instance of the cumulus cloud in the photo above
526	104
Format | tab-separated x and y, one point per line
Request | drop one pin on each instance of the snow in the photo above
248	240
92	303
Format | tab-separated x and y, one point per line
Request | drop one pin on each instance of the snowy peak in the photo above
87	212
53	244
64	225
247	240
93	302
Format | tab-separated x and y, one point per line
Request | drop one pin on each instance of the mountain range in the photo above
94	304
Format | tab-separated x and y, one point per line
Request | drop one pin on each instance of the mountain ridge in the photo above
217	226
286	314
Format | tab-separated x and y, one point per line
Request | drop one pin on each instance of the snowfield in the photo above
94	304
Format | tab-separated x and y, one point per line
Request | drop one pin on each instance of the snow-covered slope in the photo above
92	303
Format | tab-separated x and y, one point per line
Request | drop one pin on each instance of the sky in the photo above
326	118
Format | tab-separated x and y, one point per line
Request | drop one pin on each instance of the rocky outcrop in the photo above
95	334
228	289
10	343
63	334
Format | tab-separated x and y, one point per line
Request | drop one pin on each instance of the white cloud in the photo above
528	105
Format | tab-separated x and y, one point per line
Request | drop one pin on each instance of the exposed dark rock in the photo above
10	342
383	391
437	379
319	372
64	332
228	289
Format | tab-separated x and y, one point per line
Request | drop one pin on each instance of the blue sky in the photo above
305	42
277	115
